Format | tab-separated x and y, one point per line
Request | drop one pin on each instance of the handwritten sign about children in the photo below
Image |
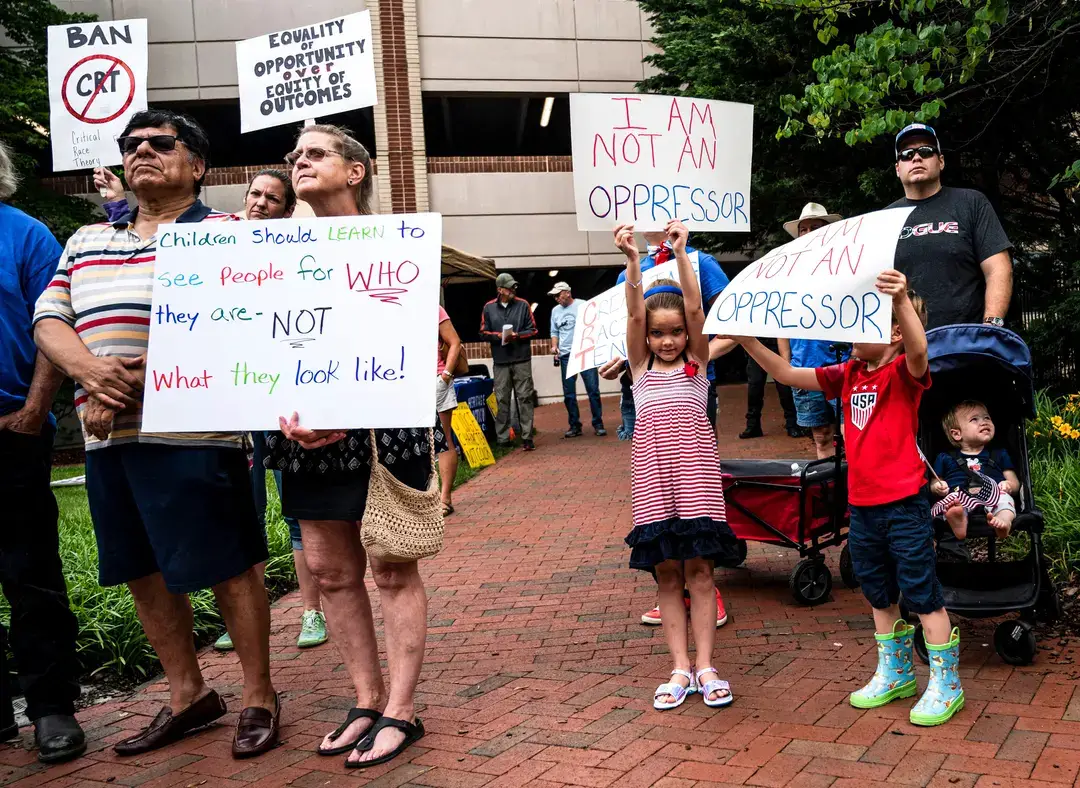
471	437
600	331
97	80
647	159
820	286
306	72
335	318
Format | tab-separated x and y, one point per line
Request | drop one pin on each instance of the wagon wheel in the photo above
810	581
1014	641
847	569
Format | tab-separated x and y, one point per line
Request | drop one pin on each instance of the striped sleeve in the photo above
55	301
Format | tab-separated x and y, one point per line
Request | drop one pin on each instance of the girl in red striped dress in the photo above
680	527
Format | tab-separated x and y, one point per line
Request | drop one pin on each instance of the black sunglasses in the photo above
162	143
924	152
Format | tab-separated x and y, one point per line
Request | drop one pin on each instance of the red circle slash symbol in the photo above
113	63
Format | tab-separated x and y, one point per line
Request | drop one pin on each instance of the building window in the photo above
496	125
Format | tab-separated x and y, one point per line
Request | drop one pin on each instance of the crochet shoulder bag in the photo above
401	523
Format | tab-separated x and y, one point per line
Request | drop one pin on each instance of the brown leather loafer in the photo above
167	727
257	730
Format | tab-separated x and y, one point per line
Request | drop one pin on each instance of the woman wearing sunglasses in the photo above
325	487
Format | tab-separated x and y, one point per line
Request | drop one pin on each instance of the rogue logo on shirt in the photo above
929	228
862	405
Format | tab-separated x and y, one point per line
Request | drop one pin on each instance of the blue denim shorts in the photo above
812	409
892	553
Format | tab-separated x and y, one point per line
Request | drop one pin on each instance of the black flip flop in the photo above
354	715
414	732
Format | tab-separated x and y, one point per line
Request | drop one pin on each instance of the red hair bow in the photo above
691	368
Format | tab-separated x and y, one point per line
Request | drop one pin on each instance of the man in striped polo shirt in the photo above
172	513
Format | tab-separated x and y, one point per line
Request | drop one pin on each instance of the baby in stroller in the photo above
971	475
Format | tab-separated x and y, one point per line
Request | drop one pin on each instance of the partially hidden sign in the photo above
644	159
600	330
97	80
306	72
333	318
471	437
820	286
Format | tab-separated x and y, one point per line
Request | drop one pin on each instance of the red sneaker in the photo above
652	617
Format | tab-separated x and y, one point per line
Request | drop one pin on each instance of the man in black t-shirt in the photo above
952	249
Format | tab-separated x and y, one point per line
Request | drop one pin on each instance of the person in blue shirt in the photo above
713	282
812	410
43	628
563	319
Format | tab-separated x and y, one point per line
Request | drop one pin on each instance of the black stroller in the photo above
992	365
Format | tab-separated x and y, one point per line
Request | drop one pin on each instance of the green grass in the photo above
111	639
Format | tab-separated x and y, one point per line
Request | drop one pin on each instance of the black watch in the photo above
995	321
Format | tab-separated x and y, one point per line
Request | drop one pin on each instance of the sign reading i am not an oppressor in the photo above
97	80
645	160
335	318
306	72
819	286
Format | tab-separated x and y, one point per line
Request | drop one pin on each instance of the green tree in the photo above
24	111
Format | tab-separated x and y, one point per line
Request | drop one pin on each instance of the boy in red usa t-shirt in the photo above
891	536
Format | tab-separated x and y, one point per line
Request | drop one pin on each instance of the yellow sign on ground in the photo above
493	404
471	437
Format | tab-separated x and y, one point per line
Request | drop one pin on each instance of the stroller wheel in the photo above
906	614
847	569
810	581
1048	608
1014	642
920	645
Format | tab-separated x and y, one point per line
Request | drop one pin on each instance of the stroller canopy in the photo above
956	348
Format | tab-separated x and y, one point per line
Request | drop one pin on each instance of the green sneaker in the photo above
224	643
312	629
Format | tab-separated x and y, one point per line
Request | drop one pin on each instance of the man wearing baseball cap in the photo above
952	249
507	323
563	319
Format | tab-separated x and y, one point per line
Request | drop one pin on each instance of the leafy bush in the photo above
1054	445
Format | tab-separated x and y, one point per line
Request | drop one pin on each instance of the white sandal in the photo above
716	685
677	691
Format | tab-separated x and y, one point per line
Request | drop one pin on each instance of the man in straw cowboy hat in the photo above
812	410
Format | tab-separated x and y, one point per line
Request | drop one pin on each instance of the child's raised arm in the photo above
894	284
635	297
782	371
691	290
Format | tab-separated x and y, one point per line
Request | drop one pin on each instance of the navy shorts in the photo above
892	553
185	512
812	409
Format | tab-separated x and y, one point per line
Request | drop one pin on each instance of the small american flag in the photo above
987	495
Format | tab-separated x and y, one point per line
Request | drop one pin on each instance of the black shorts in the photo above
342	495
185	512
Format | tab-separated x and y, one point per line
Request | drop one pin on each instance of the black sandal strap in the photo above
354	715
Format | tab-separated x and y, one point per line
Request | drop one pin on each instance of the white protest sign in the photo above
820	286
305	72
600	329
335	318
644	160
97	80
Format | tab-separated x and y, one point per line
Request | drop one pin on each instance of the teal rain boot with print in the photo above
944	696
895	674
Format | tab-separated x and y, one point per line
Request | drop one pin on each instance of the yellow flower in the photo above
1056	420
1037	434
1074	434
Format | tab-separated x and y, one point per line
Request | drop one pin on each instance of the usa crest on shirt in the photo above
863	400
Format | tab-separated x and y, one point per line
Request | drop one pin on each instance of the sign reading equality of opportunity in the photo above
97	80
306	72
335	318
820	286
644	160
600	330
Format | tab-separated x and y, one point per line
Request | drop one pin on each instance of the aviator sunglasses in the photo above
313	154
924	151
162	143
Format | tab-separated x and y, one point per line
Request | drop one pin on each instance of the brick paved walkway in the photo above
539	674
